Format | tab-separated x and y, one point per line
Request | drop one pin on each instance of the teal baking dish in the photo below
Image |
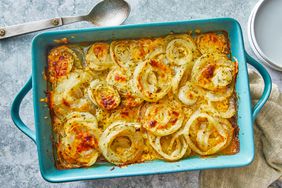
42	135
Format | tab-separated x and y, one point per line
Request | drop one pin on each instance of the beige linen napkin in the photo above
267	165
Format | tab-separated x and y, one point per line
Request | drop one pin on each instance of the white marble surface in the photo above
18	156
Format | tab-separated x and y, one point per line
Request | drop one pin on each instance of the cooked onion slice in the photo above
213	71
224	109
120	53
207	135
151	80
212	43
98	57
122	143
189	93
79	143
60	62
121	81
171	148
126	54
158	55
103	95
118	78
163	118
180	49
220	94
69	94
178	75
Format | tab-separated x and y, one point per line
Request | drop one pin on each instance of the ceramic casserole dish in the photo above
43	129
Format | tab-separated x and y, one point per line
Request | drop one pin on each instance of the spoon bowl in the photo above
109	13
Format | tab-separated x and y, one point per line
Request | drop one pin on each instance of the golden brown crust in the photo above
213	43
60	62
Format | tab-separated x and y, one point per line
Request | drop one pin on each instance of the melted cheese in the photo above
212	43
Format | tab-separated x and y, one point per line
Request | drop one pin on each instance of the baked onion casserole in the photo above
130	101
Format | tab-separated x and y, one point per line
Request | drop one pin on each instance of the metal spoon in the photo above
105	13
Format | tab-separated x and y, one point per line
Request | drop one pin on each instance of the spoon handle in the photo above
29	27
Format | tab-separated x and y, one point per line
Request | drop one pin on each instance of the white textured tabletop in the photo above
18	155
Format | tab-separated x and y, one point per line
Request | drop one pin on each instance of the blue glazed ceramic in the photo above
42	135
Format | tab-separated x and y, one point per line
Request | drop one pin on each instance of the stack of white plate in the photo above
265	32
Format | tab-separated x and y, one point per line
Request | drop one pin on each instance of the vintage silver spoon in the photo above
105	13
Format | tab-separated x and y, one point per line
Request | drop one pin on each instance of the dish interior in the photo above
43	42
131	101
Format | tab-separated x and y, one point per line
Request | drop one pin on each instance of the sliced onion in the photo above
60	62
70	95
121	81
163	118
103	95
98	57
79	143
118	78
171	148
224	109
180	49
127	53
189	93
122	143
179	72
152	80
213	71
158	55
222	76
220	94
207	135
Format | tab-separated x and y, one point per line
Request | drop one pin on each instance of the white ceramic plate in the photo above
265	32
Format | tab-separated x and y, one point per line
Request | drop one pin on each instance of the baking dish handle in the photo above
15	111
267	84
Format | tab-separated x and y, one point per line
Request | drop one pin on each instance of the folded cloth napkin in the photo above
267	165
